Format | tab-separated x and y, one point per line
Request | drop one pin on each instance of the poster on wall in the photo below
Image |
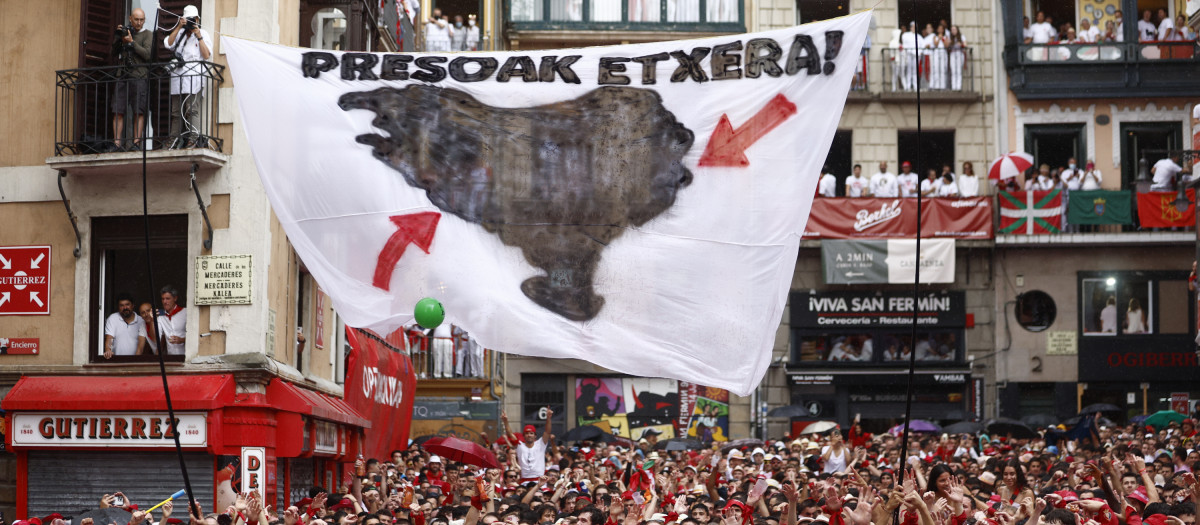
628	407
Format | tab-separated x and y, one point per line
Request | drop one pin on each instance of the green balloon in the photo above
429	313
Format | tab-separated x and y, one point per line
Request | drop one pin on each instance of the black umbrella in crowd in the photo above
788	411
420	440
1003	426
963	427
584	433
1040	420
673	444
109	516
741	443
1099	407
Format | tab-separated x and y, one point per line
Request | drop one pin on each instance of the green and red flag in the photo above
1156	209
1100	207
1031	212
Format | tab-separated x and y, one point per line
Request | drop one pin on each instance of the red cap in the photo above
35	521
1155	519
1139	495
531	428
344	504
174	521
906	164
304	503
1067	497
52	517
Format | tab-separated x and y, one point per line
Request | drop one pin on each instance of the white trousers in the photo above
937	69
957	60
443	357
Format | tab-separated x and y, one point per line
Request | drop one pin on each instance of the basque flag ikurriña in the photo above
639	206
1031	212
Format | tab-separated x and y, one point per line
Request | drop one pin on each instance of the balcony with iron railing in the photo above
625	20
98	126
1097	70
940	74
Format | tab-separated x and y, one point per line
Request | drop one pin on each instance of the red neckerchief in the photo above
175	311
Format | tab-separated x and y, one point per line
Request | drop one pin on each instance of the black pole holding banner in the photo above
154	295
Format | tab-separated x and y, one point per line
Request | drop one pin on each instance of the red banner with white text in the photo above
380	384
849	218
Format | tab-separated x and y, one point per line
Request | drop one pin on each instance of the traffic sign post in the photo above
24	280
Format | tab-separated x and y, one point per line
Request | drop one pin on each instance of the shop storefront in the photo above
114	433
851	350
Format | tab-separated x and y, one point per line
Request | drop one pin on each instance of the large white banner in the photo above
639	206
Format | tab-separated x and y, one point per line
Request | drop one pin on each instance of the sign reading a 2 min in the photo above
223	279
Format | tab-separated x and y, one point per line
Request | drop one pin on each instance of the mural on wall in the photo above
627	407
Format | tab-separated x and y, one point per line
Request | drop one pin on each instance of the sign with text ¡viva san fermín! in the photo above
869	309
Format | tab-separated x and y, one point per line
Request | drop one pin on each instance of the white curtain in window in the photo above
683	10
645	10
722	10
606	10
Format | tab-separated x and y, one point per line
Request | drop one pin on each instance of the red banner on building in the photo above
847	218
1156	209
380	384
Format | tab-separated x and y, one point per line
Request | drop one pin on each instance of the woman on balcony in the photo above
958	58
968	183
1110	32
937	58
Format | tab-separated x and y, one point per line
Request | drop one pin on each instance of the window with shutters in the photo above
119	271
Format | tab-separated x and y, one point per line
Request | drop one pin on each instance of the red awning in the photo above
287	396
119	393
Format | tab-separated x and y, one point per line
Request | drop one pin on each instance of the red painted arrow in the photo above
727	147
415	228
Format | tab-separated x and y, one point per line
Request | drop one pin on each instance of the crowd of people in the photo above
442	35
1121	475
1151	28
885	184
943	51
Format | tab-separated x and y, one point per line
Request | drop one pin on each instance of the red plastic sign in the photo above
19	345
24	280
380	383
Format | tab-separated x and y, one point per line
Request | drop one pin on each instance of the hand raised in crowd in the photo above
291	516
137	518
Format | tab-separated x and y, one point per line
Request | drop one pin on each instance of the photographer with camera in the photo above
189	43
132	51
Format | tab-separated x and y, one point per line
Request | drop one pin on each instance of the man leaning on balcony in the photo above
132	52
189	44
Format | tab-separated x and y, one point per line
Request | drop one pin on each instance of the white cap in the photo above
435	459
190	11
758	450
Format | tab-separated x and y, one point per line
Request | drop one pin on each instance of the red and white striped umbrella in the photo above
1010	165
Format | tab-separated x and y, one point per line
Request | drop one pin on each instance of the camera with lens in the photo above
121	32
189	24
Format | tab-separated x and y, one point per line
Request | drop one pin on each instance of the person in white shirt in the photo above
939	64
472	34
925	42
1147	31
929	186
1072	177
1088	33
1108	316
958	57
948	189
907	180
1166	26
443	351
531	451
906	63
1026	31
856	184
438	34
1042	31
1183	32
1120	32
968	183
172	321
827	185
1043	180
191	45
1091	178
1164	173
884	185
124	331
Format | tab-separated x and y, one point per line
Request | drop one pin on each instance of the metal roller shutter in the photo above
303	477
71	482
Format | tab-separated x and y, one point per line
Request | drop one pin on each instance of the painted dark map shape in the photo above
559	181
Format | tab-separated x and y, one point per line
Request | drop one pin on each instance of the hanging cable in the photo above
912	357
156	297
